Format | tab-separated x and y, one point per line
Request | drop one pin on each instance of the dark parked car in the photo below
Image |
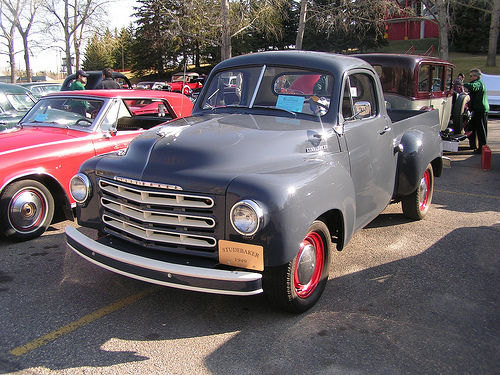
15	101
38	89
95	76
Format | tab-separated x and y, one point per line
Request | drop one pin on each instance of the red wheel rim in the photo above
309	265
425	188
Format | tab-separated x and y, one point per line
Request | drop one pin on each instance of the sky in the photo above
50	60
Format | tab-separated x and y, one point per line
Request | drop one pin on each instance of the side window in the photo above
116	111
359	97
346	102
438	78
449	78
423	78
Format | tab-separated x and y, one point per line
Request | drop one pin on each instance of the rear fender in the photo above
420	146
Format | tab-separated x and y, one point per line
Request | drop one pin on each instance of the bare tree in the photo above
226	31
29	9
9	17
342	15
439	10
72	17
302	24
218	22
494	30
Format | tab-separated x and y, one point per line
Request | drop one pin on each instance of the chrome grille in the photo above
158	217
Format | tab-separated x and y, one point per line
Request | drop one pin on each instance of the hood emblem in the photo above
316	149
173	131
147	184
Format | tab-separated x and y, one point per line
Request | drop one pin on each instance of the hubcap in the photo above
27	210
309	265
424	190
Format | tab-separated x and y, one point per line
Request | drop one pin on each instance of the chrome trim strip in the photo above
158	235
156	265
155	197
156	217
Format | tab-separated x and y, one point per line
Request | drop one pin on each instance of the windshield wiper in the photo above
294	114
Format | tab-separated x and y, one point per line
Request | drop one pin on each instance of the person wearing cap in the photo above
79	106
107	80
80	81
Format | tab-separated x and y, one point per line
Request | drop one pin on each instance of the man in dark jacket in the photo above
479	106
107	80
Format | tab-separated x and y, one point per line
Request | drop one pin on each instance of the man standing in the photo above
107	80
80	81
458	85
79	106
479	106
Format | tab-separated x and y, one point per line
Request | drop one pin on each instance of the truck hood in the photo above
206	153
30	136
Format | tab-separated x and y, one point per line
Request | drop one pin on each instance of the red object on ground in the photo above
486	158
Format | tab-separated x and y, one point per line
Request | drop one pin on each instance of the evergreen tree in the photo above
471	28
97	54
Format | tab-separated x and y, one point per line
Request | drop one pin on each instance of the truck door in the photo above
369	139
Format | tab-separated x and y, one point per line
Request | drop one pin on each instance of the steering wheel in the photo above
84	120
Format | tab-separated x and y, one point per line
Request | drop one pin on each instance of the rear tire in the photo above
26	210
416	205
297	286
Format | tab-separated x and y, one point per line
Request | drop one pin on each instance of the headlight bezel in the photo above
257	211
85	183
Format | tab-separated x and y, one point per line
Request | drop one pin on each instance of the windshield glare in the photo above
64	111
20	102
288	89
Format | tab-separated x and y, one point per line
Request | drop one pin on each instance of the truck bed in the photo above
404	119
397	115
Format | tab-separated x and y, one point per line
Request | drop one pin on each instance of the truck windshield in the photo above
283	88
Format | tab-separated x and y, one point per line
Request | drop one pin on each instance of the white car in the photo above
492	83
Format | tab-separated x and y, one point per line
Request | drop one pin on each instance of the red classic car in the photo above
40	155
187	83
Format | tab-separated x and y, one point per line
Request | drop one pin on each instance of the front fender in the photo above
421	146
293	200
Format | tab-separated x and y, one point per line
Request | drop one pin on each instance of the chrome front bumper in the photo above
208	280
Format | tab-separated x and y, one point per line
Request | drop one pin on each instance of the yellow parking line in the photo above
20	350
467	194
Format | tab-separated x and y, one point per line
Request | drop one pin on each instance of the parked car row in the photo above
39	155
15	101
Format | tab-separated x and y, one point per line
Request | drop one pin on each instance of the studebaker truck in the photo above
255	190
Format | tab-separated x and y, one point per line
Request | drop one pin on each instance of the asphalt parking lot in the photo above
403	298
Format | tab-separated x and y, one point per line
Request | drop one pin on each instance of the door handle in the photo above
386	129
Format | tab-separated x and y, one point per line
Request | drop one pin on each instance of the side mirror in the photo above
161	110
109	133
362	109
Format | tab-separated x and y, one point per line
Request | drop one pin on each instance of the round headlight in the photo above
247	217
79	187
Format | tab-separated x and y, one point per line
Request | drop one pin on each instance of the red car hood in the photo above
29	136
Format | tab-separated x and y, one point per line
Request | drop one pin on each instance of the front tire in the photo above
297	286
461	114
26	210
416	205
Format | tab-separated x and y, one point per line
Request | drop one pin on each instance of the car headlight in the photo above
80	187
247	217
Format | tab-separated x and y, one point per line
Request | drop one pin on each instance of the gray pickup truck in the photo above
286	155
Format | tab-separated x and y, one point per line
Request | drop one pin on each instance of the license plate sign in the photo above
242	255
